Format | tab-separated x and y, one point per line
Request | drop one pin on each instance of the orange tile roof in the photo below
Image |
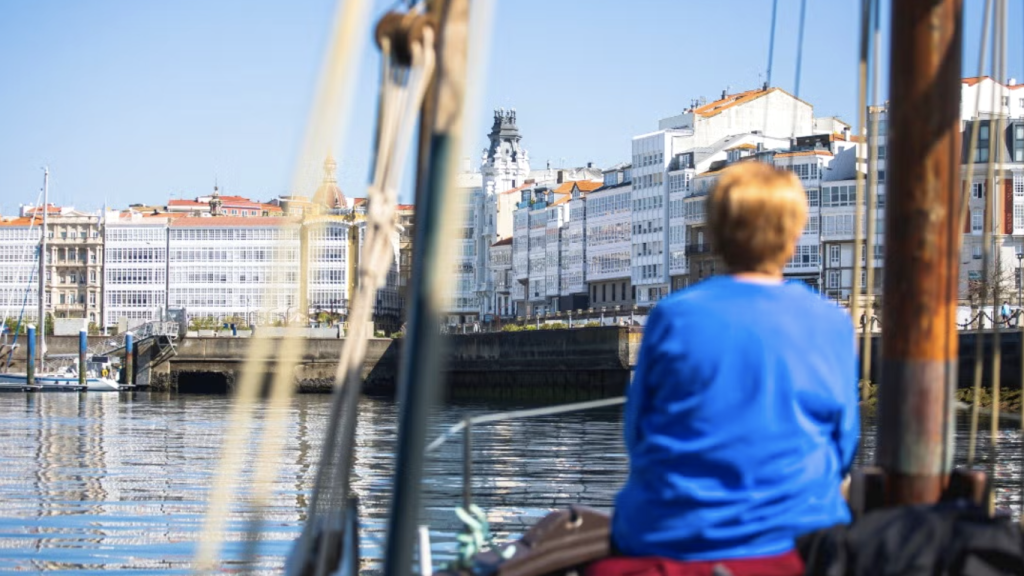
505	242
165	215
973	80
744	146
19	221
272	208
718	106
50	209
583	185
525	185
588	185
238	201
803	153
561	200
221	221
187	203
406	207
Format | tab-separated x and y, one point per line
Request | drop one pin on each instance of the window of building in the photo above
976	251
976	222
833	256
604	293
61	298
832	281
1018	142
981	153
92	298
593	295
978	190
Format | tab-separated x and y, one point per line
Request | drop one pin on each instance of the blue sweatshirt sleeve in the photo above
848	430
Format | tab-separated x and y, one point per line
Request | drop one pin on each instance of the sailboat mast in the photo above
42	270
919	347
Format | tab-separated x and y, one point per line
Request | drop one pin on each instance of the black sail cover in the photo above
949	539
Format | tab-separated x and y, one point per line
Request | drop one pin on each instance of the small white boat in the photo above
100	376
44	382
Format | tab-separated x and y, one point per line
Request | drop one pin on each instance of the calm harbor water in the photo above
95	482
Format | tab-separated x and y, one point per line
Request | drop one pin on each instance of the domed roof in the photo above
328	194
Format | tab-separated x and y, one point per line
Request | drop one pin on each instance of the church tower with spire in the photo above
329	195
505	163
504	166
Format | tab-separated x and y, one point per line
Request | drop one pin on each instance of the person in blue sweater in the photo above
742	419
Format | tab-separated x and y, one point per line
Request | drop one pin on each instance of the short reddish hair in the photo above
756	213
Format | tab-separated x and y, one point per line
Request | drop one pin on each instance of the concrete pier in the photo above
545	364
556	365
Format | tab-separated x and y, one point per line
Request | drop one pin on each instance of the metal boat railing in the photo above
466	427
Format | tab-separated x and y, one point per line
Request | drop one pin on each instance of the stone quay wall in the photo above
558	365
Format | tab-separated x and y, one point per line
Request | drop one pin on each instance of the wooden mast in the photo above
919	349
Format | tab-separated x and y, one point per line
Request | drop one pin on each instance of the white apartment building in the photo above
810	167
666	162
501	270
19	269
522	240
331	254
464	305
135	270
769	111
572	288
608	240
492	197
234	267
74	262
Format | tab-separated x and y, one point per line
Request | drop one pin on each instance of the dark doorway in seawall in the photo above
202	383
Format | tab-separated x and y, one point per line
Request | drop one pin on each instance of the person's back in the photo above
742	417
739	426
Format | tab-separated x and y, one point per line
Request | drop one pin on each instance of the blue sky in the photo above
139	102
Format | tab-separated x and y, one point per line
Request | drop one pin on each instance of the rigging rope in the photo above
799	63
771	43
872	192
991	237
408	61
858	230
332	102
964	210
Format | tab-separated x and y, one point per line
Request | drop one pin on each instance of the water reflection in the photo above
100	481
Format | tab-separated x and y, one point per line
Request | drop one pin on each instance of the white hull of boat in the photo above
59	382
